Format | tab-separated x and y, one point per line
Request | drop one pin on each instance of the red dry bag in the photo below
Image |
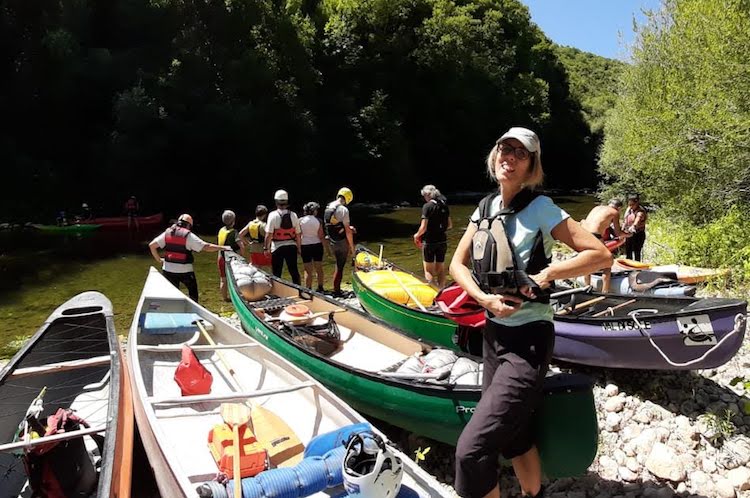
457	305
191	376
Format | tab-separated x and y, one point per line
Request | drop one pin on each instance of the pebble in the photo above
724	488
740	478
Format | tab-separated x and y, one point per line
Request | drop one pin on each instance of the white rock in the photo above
681	488
612	423
629	449
627	475
632	464
664	463
612	390
708	465
724	488
740	478
614	405
645	441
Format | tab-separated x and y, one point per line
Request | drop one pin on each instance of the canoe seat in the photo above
168	323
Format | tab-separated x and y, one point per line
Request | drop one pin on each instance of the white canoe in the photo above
174	428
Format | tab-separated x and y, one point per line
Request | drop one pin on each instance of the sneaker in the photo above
320	289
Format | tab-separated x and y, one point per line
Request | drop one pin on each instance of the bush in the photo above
723	243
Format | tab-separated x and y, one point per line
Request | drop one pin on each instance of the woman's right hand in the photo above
497	304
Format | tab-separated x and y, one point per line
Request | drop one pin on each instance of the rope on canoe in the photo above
739	324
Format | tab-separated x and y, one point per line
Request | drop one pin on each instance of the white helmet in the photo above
281	195
370	468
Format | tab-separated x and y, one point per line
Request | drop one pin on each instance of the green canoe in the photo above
361	358
427	324
82	228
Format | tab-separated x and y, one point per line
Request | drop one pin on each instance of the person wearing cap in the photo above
85	213
431	235
340	233
283	237
634	223
253	235
519	334
227	237
598	222
179	243
312	244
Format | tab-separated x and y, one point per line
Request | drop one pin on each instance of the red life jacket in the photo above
176	246
286	231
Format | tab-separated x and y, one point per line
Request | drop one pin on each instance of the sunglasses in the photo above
521	153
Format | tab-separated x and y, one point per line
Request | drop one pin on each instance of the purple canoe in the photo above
649	332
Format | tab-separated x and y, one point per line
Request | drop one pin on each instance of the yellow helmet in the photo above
346	193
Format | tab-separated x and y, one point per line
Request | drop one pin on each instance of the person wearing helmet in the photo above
227	237
312	244
85	213
253	235
370	468
431	235
179	243
340	233
283	237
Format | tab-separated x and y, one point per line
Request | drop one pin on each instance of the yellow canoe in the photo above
393	285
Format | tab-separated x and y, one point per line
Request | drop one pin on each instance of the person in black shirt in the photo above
431	237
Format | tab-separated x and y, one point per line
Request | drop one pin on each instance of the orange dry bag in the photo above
191	376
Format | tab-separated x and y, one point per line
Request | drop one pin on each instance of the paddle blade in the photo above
274	434
235	413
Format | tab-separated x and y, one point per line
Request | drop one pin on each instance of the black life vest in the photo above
334	228
176	246
495	265
286	231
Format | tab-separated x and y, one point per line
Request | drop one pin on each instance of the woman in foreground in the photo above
517	227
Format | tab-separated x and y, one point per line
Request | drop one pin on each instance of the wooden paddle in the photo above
235	415
406	289
283	445
304	318
584	304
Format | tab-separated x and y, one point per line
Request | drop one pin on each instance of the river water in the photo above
38	272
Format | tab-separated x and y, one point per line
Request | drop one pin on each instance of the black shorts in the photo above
515	362
434	252
312	252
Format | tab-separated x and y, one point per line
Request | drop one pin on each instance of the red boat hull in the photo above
120	223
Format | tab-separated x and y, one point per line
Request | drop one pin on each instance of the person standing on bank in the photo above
256	231
634	222
283	237
312	245
227	237
340	233
431	235
514	228
179	243
598	221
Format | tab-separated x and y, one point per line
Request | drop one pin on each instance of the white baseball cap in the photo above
527	137
281	195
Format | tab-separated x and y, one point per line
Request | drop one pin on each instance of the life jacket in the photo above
629	219
335	229
495	265
227	237
286	230
253	229
192	377
61	469
176	246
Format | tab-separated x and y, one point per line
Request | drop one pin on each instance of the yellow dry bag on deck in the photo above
391	285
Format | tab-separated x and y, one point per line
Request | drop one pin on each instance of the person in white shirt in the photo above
179	243
312	244
283	237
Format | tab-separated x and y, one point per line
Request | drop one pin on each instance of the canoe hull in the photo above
80	330
83	228
437	411
122	223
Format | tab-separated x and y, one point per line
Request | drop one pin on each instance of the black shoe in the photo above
320	289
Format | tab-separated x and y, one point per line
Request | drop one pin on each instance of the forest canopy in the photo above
188	103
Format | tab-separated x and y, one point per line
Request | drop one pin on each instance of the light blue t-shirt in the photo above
540	215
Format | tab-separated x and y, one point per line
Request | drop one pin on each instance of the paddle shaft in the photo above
612	308
218	353
584	304
236	462
408	292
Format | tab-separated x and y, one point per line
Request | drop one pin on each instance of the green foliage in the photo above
722	243
719	427
106	99
680	131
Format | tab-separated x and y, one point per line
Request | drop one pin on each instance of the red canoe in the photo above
121	222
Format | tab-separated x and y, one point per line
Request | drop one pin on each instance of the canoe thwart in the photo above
202	398
65	436
62	366
170	348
